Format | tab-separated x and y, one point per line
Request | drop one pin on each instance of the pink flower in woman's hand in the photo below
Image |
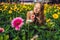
17	23
1	30
33	16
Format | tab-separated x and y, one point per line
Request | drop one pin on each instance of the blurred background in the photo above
30	1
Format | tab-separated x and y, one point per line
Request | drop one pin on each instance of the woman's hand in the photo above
40	21
38	18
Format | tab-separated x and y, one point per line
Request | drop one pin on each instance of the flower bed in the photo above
49	31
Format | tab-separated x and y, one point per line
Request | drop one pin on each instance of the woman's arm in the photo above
28	17
40	21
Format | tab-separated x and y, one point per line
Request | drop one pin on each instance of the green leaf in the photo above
1	37
6	37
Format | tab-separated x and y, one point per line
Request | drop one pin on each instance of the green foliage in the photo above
49	31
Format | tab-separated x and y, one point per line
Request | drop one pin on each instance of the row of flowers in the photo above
52	14
16	8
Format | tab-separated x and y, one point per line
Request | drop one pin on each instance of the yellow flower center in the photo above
55	16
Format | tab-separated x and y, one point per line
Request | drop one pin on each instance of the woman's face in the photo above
37	8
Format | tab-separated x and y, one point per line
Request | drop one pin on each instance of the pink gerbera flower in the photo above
1	30
17	23
33	16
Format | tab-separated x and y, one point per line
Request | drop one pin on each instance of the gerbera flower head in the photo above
55	16
1	30
33	16
17	23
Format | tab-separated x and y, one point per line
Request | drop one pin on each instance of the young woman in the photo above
36	16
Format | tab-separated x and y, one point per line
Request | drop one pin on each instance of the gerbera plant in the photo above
17	23
53	16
